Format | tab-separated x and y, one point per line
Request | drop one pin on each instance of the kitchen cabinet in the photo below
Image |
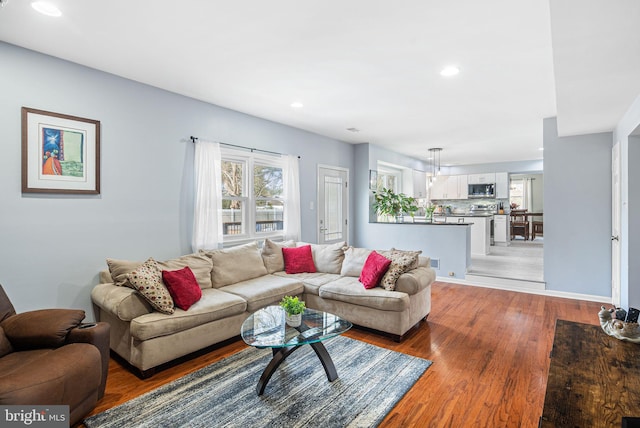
502	185
449	187
419	184
501	229
487	178
480	232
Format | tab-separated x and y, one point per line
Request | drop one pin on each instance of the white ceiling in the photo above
369	64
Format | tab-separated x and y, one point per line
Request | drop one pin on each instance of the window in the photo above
252	195
389	178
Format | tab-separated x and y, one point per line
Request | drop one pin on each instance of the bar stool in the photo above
538	229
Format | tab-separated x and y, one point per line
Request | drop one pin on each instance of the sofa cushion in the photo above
354	259
199	264
311	281
349	290
213	305
272	254
374	269
328	257
182	286
235	264
298	260
264	291
45	328
401	261
410	253
146	279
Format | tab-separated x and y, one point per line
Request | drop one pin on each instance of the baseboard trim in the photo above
521	286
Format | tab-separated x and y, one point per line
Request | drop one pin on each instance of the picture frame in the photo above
60	153
373	179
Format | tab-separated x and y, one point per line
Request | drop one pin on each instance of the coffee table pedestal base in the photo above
280	354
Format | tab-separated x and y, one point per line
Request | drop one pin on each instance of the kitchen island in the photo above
481	228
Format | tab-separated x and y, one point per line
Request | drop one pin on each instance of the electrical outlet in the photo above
452	274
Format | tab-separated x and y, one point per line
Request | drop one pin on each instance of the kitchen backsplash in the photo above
464	205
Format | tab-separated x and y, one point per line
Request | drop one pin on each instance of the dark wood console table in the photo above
594	379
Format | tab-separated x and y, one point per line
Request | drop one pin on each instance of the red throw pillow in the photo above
298	260
374	269
182	286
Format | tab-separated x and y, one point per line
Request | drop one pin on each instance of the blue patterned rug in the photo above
371	381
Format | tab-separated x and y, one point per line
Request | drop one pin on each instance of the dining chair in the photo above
519	224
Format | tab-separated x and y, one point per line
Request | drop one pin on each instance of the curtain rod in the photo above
251	149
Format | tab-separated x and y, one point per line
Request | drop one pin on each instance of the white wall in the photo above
53	246
577	208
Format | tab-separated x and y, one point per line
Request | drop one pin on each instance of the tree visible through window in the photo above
252	196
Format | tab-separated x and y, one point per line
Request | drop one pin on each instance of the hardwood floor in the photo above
490	351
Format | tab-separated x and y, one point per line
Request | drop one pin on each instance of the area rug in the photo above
371	381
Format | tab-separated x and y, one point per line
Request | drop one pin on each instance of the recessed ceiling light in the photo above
46	8
450	70
541	148
297	104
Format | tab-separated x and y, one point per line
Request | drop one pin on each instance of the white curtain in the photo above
292	199
207	218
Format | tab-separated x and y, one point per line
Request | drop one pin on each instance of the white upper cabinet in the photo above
487	178
449	187
502	185
419	184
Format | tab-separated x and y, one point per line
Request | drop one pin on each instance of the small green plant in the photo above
292	305
429	210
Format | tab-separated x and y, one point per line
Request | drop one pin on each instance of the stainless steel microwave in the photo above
482	190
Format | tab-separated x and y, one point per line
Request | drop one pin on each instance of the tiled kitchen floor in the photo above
522	260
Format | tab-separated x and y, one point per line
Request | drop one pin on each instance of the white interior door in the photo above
333	204
615	224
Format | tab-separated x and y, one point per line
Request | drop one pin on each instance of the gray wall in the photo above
577	201
52	247
627	133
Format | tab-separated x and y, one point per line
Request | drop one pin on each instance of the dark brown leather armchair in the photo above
49	357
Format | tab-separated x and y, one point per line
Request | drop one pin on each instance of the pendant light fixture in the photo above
434	157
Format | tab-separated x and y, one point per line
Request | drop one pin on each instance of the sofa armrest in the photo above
415	280
123	302
44	328
96	334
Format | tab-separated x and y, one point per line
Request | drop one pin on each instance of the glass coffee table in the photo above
267	328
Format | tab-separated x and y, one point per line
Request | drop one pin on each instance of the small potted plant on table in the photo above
293	308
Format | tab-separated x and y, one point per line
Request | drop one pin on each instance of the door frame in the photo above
616	223
335	168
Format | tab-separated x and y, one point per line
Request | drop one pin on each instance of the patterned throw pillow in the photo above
147	280
401	261
373	270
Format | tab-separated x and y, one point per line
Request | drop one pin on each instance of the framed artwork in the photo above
60	153
373	179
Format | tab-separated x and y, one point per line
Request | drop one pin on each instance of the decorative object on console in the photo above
60	153
628	331
293	308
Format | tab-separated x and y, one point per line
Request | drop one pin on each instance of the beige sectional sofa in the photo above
238	281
